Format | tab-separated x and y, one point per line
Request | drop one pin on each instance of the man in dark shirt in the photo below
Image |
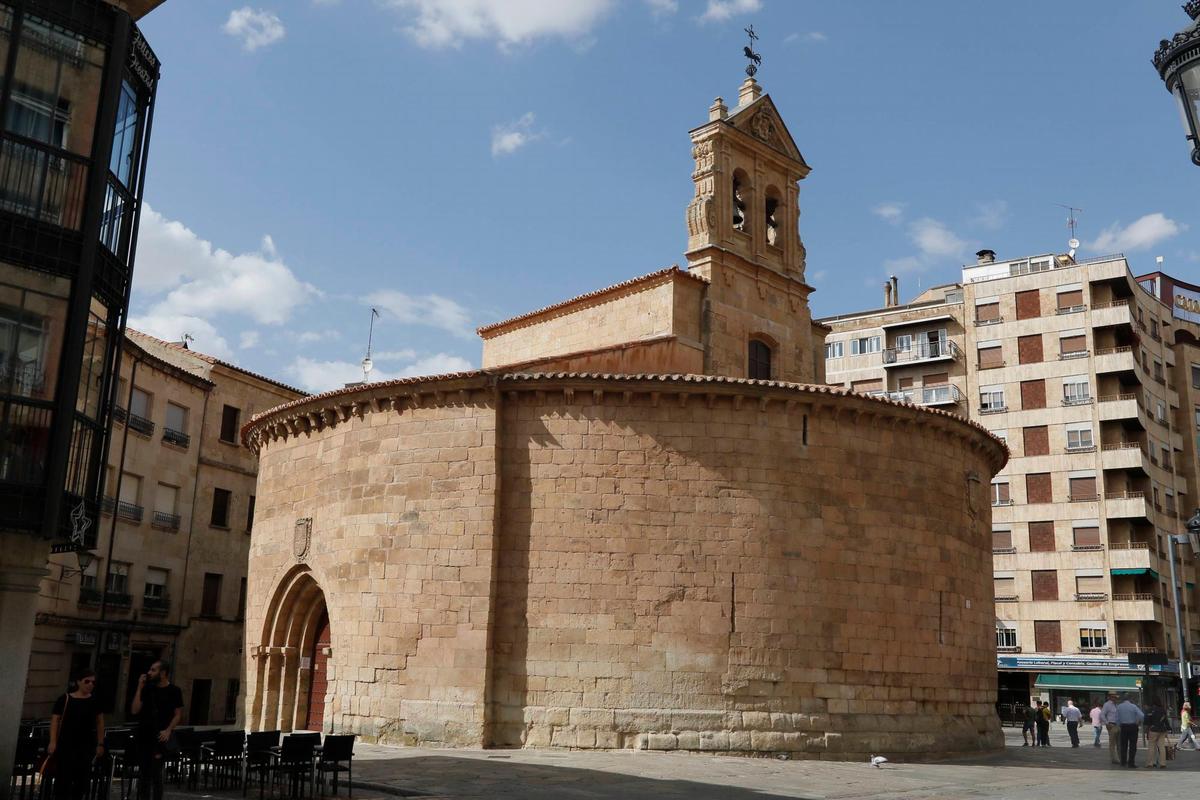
158	706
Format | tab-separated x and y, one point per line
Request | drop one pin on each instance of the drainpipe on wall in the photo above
187	556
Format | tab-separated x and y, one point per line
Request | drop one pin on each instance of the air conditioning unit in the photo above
84	638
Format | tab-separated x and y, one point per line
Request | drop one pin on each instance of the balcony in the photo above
164	521
1136	607
1129	555
119	414
1126	505
993	409
156	605
1083	400
1119	406
1083	498
1115	359
107	504
1101	650
1114	313
1090	597
1070	310
1125	649
129	511
947	395
921	352
901	396
89	596
1122	455
177	438
120	600
1003	648
140	424
980	323
1070	354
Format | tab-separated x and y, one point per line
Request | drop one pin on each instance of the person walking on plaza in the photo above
1108	715
1129	717
1073	716
1029	726
1185	726
1043	724
158	706
1157	728
1097	721
76	738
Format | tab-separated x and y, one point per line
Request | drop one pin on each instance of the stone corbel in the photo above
737	402
346	411
598	396
654	398
683	398
568	396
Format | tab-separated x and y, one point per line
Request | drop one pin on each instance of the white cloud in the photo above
721	10
449	23
171	327
321	376
1142	233
206	281
432	310
935	240
508	139
992	215
248	340
807	36
394	355
890	212
255	27
662	7
307	337
896	266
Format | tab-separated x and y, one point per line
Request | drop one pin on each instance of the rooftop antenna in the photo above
1072	222
748	50
367	363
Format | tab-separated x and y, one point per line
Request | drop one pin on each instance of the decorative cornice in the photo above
313	414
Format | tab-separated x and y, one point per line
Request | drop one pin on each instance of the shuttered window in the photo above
1072	344
1086	536
1029	304
1047	636
1041	537
1002	540
1033	394
987	312
1083	489
1005	587
1029	349
1036	440
1038	488
1045	584
1072	298
991	357
1090	584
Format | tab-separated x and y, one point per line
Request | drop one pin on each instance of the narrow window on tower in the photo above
760	360
771	218
740	191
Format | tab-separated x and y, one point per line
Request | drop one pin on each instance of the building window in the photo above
1160	411
1079	437
740	191
1086	536
1093	638
1070	299
210	603
1036	440
987	313
771	216
250	514
1006	637
200	700
1045	584
229	424
1047	636
760	360
1196	376
220	508
1029	349
1038	488
834	349
991	399
87	580
1033	394
1071	345
1083	488
904	343
991	355
242	599
232	691
117	581
139	403
1000	495
864	345
1001	540
1041	537
1005	587
1076	391
175	425
154	595
1029	304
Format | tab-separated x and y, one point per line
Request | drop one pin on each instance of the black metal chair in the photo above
121	760
259	755
295	760
222	759
25	764
337	755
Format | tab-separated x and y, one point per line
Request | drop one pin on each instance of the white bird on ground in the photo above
878	761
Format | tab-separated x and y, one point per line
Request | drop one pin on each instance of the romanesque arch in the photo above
294	641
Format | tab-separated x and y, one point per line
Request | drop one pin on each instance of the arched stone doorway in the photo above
294	649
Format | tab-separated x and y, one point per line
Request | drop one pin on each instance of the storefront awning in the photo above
1135	571
1098	682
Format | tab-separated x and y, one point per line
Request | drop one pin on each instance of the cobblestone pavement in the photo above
1059	771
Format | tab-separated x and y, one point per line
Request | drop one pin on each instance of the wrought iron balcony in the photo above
156	605
120	600
107	504
119	414
129	511
177	438
168	522
921	351
89	596
140	424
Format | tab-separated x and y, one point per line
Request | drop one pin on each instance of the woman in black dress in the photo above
76	738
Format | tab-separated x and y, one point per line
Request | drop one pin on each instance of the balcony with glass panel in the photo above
920	352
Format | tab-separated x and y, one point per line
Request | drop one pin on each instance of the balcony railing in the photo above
1086	548
1000	409
920	351
1003	551
1108	351
1096	650
1132	495
941	395
1081	448
1111	304
1007	501
1084	498
1090	597
89	597
1006	598
130	511
168	522
1120	445
1128	545
994	321
1078	401
107	504
1134	596
140	424
119	414
178	438
1070	309
1123	649
1117	398
120	599
1067	355
156	605
1005	648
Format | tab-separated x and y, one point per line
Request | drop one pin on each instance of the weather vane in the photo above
755	58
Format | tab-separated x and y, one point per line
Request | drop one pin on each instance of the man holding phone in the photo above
158	706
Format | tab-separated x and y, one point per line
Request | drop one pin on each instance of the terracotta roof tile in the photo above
216	361
616	287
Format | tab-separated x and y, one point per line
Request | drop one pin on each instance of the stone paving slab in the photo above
583	775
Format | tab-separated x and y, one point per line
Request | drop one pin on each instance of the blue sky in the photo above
457	162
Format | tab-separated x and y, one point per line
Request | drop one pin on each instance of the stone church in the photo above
644	523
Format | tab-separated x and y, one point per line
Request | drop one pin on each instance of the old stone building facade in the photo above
640	525
171	543
1092	377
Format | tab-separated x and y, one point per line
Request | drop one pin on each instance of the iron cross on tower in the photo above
755	58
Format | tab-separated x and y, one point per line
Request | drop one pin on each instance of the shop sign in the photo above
1185	304
142	61
1071	663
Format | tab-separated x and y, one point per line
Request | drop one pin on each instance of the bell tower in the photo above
744	237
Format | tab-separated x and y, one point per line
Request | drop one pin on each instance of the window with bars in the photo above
760	360
1006	637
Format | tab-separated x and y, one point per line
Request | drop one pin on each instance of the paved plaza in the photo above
545	775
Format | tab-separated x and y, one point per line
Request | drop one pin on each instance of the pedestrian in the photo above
1185	726
1108	715
158	706
1129	717
76	738
1043	724
1073	716
1157	728
1028	727
1097	721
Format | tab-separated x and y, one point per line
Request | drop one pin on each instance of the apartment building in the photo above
1092	377
170	546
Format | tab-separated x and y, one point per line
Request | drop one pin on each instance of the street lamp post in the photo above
1193	529
1178	63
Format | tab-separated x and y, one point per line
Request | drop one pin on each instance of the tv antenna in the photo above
367	363
1072	223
